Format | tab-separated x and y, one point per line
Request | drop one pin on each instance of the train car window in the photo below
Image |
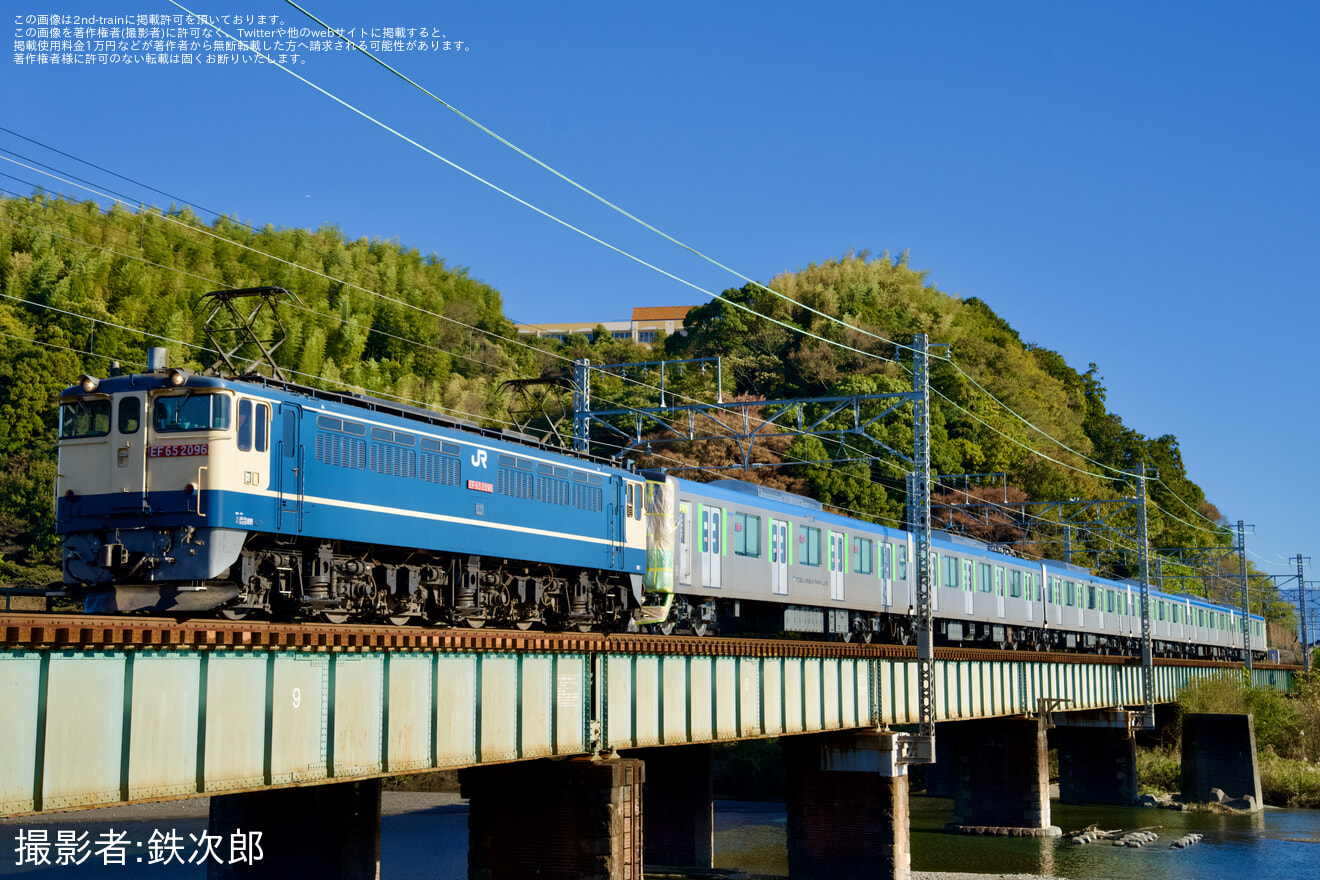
191	412
594	479
985	577
862	555
746	535
951	572
404	439
548	471
1014	583
629	490
85	418
1109	601
245	425
446	448
579	477
1070	593
130	415
640	506
357	429
810	543
902	562
1090	597
886	564
263	418
382	434
507	461
325	422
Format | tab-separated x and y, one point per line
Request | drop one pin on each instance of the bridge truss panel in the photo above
93	727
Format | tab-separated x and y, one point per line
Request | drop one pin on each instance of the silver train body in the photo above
748	558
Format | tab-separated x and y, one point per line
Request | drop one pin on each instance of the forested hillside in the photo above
82	287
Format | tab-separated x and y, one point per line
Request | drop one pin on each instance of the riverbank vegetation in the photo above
1287	738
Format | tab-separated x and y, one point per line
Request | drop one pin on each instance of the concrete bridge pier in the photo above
847	806
1219	751
327	831
1000	771
574	819
679	806
1097	757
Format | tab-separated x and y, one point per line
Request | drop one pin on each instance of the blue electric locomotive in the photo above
183	492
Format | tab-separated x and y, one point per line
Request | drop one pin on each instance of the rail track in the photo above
62	631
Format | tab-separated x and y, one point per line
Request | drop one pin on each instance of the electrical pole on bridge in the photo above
1147	650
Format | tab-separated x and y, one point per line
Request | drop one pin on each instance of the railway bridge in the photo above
290	728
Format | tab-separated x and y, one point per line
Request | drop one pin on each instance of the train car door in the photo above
712	523
999	591
969	586
778	557
886	572
617	512
291	471
684	543
128	480
836	566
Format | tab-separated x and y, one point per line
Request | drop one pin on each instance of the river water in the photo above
1276	843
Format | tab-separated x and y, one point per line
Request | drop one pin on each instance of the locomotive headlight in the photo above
178	377
88	383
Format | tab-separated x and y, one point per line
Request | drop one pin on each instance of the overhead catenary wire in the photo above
588	191
526	203
121	176
581	187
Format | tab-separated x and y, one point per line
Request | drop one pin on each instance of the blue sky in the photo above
1129	184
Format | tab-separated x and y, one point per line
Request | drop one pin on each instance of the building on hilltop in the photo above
647	323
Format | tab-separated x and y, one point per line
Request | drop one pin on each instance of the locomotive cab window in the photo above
252	425
85	418
130	415
191	412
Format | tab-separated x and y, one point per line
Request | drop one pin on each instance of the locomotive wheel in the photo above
700	629
523	625
399	619
474	622
335	617
235	613
666	628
